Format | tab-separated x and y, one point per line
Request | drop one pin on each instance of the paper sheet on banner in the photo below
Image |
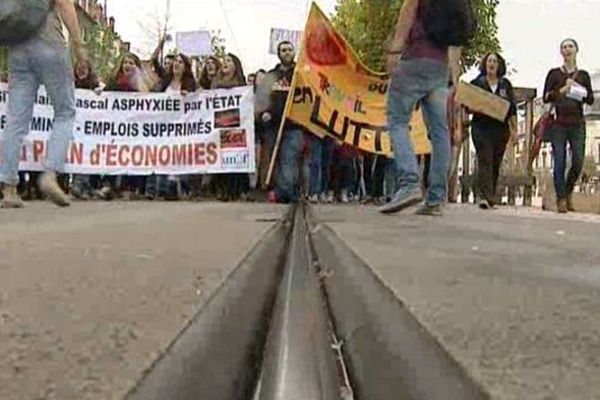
336	95
140	134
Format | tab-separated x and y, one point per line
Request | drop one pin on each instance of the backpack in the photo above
22	19
449	22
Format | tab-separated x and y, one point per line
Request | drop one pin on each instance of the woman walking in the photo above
567	88
490	135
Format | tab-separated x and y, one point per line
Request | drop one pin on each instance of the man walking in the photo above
43	59
425	47
287	187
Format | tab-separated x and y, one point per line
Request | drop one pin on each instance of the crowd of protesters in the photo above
320	170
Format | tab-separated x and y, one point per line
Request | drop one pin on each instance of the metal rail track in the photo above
270	332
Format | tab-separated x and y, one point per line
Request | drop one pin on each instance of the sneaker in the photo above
401	201
367	200
313	199
344	197
432	211
105	193
49	186
330	198
11	197
485	205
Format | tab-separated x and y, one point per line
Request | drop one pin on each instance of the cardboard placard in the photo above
482	101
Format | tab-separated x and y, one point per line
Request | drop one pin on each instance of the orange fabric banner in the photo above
335	94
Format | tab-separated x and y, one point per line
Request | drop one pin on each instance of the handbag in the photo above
541	132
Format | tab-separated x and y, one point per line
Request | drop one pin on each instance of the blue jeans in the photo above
315	164
575	137
287	187
425	81
328	146
31	64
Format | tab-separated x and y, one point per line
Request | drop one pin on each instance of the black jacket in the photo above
279	93
504	90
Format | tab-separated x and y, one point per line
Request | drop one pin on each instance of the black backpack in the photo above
22	19
449	22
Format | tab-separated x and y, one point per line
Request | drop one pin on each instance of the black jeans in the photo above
575	137
490	145
374	174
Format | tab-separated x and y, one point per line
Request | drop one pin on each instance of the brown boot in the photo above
11	197
49	186
561	206
570	204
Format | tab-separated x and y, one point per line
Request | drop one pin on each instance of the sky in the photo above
530	30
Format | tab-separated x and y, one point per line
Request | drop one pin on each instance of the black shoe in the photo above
432	211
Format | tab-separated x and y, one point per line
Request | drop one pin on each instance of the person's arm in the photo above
550	94
405	22
589	100
158	68
66	10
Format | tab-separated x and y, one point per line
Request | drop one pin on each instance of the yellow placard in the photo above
334	94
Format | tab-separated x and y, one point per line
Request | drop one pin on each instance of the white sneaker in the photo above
344	197
330	198
313	199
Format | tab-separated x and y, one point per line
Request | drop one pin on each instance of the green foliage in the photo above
3	61
103	48
367	24
218	44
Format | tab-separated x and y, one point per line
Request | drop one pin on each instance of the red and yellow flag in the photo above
335	94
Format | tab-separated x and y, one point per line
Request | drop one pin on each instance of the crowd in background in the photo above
321	170
318	169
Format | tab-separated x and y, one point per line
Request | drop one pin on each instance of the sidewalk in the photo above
513	295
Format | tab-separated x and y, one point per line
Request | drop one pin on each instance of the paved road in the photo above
513	295
89	296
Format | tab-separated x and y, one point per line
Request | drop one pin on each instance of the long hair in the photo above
188	82
205	81
91	81
501	65
238	79
113	83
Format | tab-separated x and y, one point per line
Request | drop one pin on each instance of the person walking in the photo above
567	88
491	136
43	59
425	46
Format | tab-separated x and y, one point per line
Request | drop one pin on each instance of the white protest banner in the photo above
207	132
195	43
280	35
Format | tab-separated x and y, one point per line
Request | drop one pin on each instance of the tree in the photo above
3	59
366	24
103	46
